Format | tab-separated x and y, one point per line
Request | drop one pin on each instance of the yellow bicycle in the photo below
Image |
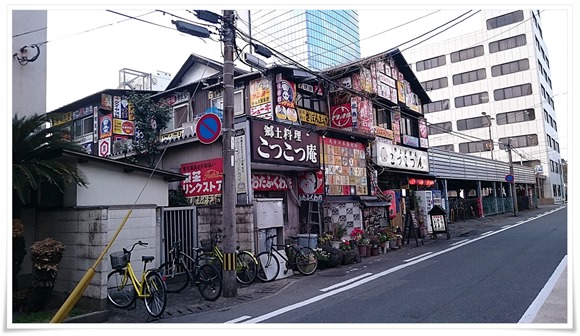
123	286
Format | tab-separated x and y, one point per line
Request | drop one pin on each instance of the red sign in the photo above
340	116
203	177
310	183
269	182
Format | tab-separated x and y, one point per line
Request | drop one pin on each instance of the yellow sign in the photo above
61	118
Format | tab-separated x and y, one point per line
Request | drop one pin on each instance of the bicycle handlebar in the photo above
137	243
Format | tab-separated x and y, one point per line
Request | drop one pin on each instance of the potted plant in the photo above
338	232
322	256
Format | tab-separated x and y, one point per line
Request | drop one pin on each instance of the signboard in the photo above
241	162
310	183
208	128
438	221
123	127
278	143
105	126
203	177
269	182
509	178
345	165
386	154
105	147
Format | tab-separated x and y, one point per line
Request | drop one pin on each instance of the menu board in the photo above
345	168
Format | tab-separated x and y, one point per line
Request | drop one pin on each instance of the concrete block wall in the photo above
210	219
85	232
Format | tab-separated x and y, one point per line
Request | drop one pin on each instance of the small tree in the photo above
150	119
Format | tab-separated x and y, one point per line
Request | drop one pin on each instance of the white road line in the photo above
533	309
460	242
486	233
345	282
239	319
371	278
417	257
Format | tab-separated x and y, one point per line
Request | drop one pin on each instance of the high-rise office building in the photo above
317	39
491	89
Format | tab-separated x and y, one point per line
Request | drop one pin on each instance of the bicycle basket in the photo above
206	245
119	259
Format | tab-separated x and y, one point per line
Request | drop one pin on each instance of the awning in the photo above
376	204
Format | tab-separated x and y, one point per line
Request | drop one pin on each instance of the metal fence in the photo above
179	224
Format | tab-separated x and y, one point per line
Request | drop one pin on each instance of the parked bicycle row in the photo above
202	268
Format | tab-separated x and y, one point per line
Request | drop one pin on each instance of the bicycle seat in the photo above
147	258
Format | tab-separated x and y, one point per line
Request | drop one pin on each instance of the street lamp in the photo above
489	119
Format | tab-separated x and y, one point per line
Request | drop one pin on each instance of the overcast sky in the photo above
88	45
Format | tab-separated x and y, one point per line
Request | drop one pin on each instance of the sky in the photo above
87	46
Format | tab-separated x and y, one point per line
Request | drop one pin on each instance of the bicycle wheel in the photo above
120	290
175	276
210	259
156	297
268	267
210	282
306	261
245	267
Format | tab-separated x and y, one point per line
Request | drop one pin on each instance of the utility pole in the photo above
228	184
513	183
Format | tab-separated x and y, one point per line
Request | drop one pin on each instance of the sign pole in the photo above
513	180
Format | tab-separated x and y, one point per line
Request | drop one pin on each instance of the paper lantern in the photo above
412	181
420	182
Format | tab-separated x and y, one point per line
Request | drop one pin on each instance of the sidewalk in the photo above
191	302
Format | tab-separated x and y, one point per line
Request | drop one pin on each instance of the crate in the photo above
206	245
120	259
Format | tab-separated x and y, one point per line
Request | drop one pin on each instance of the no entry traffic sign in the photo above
208	128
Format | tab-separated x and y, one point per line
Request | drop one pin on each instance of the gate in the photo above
178	224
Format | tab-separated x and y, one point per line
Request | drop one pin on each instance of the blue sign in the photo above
509	178
208	128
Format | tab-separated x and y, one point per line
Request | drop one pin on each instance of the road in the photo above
492	278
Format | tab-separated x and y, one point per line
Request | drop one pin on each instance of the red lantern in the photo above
412	181
428	183
420	182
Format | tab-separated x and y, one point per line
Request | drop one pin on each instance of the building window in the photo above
474	146
508	43
513	92
435	84
439	105
466	54
449	147
317	105
519	141
473	99
504	20
472	123
470	76
82	127
238	102
513	117
439	128
384	118
431	63
180	115
409	126
510	67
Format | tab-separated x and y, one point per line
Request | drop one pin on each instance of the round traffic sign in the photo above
208	128
509	178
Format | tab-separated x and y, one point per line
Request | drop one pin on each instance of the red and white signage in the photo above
105	147
203	177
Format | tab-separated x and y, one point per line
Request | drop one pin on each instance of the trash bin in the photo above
308	240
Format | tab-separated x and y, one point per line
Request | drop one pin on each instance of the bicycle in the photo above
299	258
182	270
123	286
246	263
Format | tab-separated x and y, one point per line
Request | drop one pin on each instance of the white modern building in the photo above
491	89
317	39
